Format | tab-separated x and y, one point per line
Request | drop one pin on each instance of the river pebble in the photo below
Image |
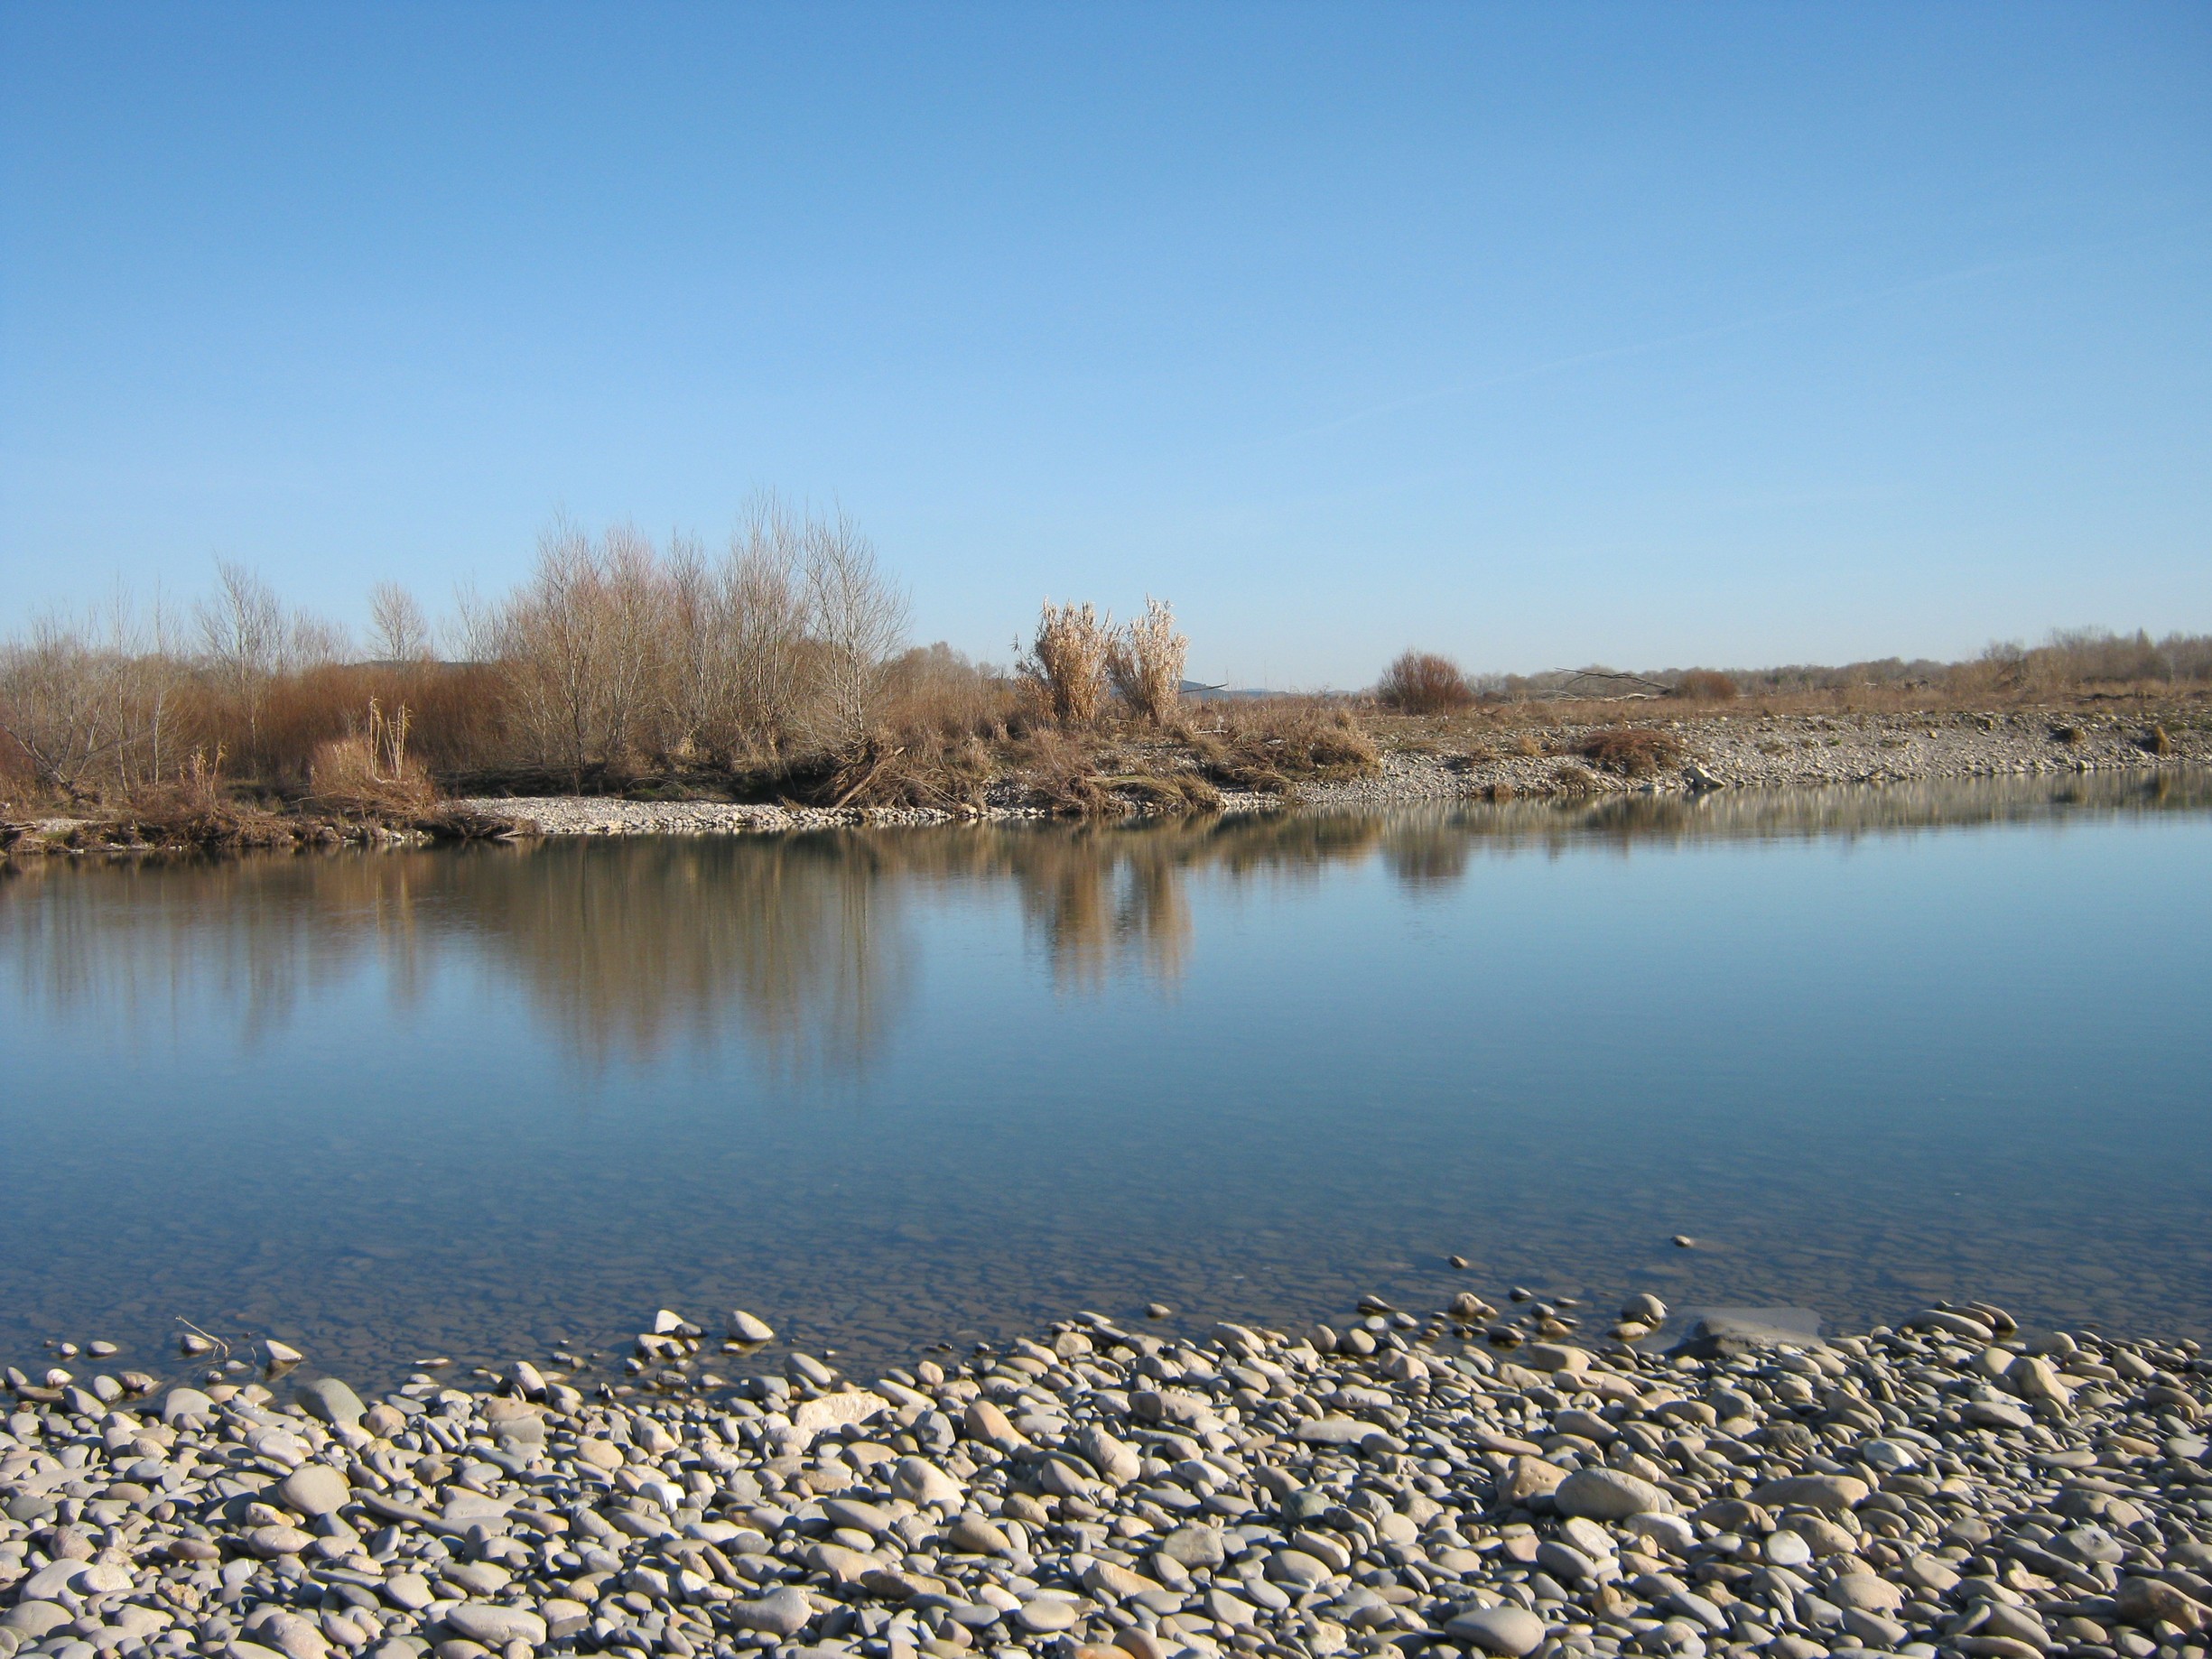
1956	1488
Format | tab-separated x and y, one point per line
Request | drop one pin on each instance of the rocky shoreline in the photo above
1688	756
1717	752
1461	1479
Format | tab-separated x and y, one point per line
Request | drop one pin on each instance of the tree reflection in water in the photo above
803	947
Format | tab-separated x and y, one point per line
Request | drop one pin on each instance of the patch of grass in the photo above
185	817
1273	745
370	775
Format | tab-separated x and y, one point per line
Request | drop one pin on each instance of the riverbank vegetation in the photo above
779	667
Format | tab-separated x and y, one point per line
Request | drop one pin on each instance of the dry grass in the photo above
1272	744
1078	774
194	812
1707	685
1632	751
346	778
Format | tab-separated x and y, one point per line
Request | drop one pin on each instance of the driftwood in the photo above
461	824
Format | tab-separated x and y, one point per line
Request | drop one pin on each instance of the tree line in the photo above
616	657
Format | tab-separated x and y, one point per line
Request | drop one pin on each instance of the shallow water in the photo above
885	1089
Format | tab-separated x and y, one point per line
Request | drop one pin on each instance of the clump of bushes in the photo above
1423	682
1707	685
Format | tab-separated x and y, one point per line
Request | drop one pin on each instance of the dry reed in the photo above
1068	658
1145	661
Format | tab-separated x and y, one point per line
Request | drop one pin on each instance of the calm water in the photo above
887	1088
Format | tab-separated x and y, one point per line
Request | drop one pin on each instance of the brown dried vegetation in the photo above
1422	682
1271	744
1632	751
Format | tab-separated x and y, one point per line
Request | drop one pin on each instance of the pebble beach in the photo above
1523	1479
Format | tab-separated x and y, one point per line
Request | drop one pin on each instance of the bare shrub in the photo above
1422	682
59	703
1145	662
1068	660
933	743
1632	751
92	705
1707	685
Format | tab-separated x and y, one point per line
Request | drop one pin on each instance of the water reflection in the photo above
900	1086
803	947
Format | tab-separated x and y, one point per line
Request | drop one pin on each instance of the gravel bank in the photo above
1445	1479
1747	751
1754	751
605	815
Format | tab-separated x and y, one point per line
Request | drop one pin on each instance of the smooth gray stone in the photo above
1194	1546
332	1401
496	1625
1506	1630
1721	1333
33	1618
1609	1495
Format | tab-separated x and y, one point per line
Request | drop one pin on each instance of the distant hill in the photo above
1198	692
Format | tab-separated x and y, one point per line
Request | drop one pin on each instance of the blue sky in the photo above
1540	334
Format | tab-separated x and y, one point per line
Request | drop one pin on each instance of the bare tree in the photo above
696	672
311	641
765	605
398	630
547	642
630	594
858	621
242	630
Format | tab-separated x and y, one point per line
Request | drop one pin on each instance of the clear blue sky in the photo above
1537	333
